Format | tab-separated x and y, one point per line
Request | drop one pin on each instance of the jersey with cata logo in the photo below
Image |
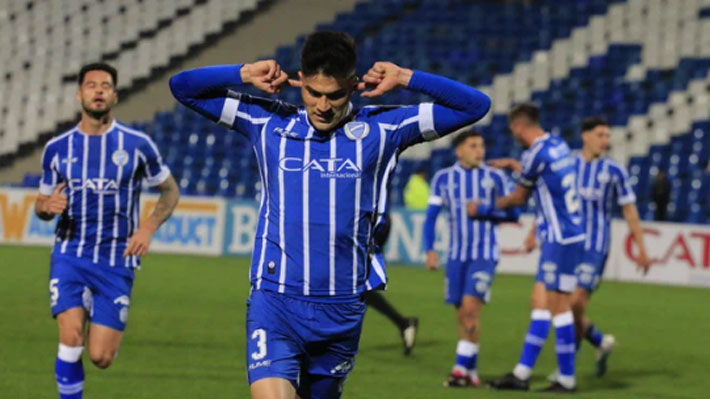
104	174
322	190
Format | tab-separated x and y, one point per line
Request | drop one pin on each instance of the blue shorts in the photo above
77	282
590	271
311	344
472	277
557	266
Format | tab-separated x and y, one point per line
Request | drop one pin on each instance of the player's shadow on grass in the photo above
622	379
397	346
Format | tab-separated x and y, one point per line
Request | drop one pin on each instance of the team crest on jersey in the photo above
603	177
119	157
487	183
357	130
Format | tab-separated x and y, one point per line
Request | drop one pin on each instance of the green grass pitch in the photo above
185	337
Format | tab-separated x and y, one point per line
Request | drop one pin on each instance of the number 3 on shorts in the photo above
53	290
260	336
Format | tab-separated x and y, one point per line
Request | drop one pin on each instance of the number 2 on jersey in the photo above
572	201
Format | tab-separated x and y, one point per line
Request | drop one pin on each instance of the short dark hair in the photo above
329	53
461	137
592	122
98	66
527	110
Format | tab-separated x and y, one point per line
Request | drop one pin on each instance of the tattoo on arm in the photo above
169	195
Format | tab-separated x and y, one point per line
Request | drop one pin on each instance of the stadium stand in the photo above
643	64
44	43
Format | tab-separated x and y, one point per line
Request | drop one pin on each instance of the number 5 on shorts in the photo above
260	336
53	290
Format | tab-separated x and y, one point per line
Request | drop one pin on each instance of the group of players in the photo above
325	169
575	193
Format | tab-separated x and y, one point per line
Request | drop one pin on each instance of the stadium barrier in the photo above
217	226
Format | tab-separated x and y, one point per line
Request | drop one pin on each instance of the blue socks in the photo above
466	356
593	335
69	372
534	341
565	348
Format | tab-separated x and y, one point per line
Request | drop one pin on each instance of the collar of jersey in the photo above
541	138
321	135
458	165
109	130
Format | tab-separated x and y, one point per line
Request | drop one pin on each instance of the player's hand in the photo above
139	242
266	76
56	203
472	208
530	243
382	78
643	263
432	260
506	163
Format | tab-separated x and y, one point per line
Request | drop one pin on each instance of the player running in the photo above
101	164
473	244
601	182
547	169
322	168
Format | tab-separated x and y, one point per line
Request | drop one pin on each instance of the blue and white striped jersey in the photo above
600	183
549	168
104	174
322	190
452	188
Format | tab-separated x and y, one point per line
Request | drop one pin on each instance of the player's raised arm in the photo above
455	104
213	91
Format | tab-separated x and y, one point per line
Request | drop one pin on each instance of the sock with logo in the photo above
69	372
534	341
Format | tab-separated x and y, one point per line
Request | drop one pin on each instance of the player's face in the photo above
597	140
471	152
326	99
97	94
516	126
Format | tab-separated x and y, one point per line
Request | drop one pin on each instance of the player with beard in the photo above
101	164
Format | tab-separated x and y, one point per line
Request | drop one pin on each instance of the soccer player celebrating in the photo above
600	182
323	169
473	243
100	164
547	169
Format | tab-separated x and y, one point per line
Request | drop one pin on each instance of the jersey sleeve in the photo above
214	93
622	186
156	172
455	105
436	202
50	171
436	194
533	163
